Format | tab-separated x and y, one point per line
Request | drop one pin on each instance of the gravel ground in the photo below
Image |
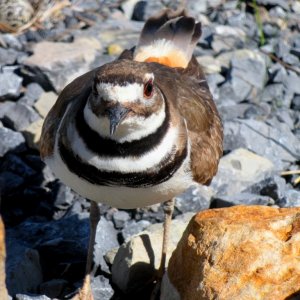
250	51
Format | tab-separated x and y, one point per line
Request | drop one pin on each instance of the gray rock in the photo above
15	164
273	93
280	3
133	228
64	196
106	239
274	141
24	273
102	289
10	141
17	115
53	288
32	94
241	199
249	71
120	218
194	199
296	103
292	198
10	85
63	62
11	41
293	82
274	187
31	297
8	56
9	182
138	259
239	170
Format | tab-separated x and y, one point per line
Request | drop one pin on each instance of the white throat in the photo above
132	128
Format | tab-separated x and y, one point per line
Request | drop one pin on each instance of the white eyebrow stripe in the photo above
127	93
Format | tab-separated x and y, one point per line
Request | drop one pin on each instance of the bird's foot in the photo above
85	293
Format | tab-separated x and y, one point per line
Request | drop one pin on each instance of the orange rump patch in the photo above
173	59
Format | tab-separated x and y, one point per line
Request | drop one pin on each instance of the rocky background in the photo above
250	51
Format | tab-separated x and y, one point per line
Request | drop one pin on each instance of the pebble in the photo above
18	116
45	103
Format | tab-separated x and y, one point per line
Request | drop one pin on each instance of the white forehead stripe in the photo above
127	93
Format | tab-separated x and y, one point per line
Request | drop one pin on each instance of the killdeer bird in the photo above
138	130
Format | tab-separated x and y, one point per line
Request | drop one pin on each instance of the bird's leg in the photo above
85	292
168	208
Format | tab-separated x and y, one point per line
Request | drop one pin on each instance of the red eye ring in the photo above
148	89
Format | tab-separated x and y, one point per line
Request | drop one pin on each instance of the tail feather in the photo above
168	38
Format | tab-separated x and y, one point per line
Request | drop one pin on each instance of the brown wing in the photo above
205	130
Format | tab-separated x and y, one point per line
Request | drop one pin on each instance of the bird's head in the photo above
126	103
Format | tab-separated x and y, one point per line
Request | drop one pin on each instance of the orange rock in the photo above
238	253
3	290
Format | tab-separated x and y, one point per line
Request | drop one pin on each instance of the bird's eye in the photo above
148	89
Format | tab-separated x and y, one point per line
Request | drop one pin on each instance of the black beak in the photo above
116	114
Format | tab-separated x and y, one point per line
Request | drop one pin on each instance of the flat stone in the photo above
24	273
209	64
10	85
63	62
8	56
235	252
10	141
32	134
138	259
283	4
53	288
32	93
194	199
106	239
240	169
31	297
102	289
15	164
45	103
17	115
274	141
132	228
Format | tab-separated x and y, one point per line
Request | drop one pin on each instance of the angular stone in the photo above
194	199
120	217
3	290
106	239
274	141
133	228
138	259
209	64
8	56
33	92
31	297
102	289
10	141
17	115
24	271
63	62
10	85
235	252
14	163
45	103
240	169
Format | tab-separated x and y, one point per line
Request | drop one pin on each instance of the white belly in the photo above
122	197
